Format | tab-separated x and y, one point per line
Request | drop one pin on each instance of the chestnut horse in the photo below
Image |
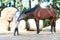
41	14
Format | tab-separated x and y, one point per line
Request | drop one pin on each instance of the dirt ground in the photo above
31	35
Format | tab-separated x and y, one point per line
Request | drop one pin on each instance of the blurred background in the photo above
28	4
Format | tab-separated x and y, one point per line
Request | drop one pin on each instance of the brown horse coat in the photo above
42	13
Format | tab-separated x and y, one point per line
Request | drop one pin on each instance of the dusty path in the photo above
31	36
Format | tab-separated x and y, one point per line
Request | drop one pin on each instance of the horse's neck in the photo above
29	14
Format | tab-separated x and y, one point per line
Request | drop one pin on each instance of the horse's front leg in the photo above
37	25
37	28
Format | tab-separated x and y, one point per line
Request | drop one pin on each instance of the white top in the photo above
15	17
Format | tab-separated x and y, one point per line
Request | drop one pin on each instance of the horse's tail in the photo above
54	17
55	12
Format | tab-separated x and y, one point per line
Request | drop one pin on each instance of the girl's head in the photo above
19	7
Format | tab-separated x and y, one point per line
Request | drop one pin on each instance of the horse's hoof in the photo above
14	35
17	34
38	32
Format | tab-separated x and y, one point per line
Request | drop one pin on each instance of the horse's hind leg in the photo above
51	28
51	22
54	26
54	29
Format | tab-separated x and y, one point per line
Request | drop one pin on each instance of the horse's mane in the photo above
31	10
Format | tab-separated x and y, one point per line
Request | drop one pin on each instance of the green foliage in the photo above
46	23
6	1
24	9
55	2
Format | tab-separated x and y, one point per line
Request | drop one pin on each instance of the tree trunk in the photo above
14	2
0	7
20	0
39	2
30	4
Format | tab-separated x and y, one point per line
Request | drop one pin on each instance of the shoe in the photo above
17	34
14	35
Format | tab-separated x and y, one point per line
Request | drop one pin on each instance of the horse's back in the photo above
50	11
46	13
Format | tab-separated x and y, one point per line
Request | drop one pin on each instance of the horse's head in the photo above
22	17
